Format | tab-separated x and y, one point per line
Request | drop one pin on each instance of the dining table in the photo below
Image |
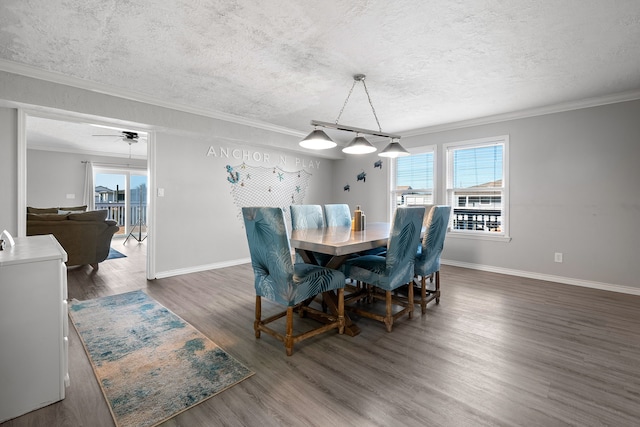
339	243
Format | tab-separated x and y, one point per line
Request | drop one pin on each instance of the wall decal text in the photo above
259	157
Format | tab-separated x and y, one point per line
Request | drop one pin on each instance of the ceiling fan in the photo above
127	136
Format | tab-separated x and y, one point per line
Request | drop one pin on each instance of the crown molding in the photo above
59	78
522	114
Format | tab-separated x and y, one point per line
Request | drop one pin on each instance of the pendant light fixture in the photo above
393	150
319	140
359	145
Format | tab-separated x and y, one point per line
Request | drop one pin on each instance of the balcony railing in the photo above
137	213
477	219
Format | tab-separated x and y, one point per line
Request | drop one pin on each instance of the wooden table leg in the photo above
307	256
336	261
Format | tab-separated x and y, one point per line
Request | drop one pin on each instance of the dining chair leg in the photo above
410	299
288	338
341	321
388	319
423	295
437	287
256	323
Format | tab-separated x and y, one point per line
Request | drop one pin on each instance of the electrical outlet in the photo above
558	257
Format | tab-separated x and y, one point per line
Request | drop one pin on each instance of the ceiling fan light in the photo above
359	145
393	150
317	140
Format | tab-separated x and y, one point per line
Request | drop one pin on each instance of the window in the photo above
413	180
476	186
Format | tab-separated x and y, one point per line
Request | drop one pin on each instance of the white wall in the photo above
574	189
8	170
198	221
371	193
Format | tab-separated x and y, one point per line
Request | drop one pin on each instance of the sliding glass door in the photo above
123	193
138	205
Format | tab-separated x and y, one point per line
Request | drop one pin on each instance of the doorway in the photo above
40	131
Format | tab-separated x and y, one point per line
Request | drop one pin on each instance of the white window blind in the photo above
414	180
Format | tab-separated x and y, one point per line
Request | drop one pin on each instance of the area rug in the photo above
113	254
150	363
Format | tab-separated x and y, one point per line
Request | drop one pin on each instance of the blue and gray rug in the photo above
114	254
151	364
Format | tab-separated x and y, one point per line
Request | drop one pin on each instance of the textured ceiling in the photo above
285	62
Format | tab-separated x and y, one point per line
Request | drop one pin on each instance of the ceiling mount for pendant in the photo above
319	140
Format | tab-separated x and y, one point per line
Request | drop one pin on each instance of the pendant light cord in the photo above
355	81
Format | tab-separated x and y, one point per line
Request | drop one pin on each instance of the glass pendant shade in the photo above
317	140
393	150
359	145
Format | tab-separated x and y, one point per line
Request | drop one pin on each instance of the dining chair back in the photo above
308	216
337	215
387	273
428	256
278	279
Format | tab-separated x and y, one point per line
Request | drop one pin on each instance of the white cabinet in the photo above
33	325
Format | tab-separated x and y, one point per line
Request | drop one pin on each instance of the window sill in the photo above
478	236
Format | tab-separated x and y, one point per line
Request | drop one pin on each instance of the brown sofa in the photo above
85	236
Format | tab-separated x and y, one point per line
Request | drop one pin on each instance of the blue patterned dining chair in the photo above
428	256
387	273
279	279
337	215
308	216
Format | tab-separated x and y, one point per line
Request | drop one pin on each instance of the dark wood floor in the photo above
497	351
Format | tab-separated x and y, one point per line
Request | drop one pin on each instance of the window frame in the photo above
393	170
449	191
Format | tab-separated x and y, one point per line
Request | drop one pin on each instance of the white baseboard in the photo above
199	268
547	277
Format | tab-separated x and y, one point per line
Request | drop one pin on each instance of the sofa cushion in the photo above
100	215
45	217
